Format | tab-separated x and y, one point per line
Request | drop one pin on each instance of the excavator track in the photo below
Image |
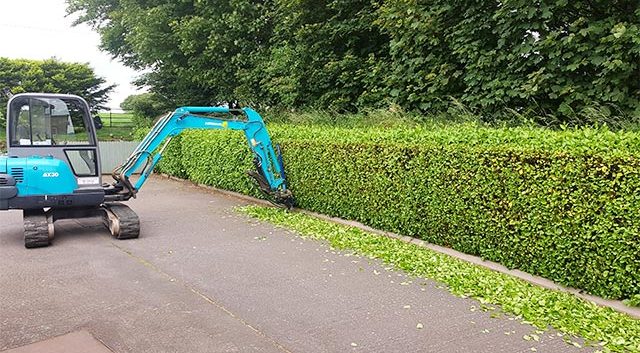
38	228
121	221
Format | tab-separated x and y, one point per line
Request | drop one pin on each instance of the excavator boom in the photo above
269	172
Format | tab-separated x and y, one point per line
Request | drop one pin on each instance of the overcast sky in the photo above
26	22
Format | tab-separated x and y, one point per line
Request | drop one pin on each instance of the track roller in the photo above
38	228
122	222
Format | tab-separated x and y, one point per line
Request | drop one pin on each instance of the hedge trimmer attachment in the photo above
279	196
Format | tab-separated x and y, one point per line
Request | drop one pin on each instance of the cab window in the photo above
47	122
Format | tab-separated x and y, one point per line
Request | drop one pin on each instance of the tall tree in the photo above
271	52
558	57
196	52
326	54
52	76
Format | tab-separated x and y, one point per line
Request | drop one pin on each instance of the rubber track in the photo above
36	229
129	221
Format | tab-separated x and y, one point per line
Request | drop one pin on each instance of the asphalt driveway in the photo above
202	278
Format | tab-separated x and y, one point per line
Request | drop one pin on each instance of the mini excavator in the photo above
52	170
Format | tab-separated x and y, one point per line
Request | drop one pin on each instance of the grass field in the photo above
114	119
116	126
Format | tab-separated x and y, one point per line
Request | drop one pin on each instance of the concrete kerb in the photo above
616	305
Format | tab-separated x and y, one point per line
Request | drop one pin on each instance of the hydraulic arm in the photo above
269	171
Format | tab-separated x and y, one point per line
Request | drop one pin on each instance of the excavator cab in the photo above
53	152
58	127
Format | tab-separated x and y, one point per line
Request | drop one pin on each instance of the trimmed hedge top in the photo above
603	141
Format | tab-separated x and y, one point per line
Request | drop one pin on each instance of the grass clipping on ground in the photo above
543	308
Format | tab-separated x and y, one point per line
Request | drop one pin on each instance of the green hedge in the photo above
560	204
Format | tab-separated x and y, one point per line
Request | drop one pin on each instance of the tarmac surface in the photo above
203	278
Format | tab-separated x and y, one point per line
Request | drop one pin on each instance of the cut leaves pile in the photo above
543	308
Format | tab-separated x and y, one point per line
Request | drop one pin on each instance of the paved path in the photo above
204	279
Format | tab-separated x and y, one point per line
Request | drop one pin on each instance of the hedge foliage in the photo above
560	204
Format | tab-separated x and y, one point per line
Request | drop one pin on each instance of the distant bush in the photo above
559	204
145	107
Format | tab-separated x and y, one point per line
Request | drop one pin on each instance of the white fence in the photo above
113	153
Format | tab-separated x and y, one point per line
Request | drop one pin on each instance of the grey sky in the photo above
23	23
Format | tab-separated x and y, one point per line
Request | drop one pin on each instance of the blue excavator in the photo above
52	170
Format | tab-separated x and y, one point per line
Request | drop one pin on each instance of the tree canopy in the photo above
551	57
52	76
